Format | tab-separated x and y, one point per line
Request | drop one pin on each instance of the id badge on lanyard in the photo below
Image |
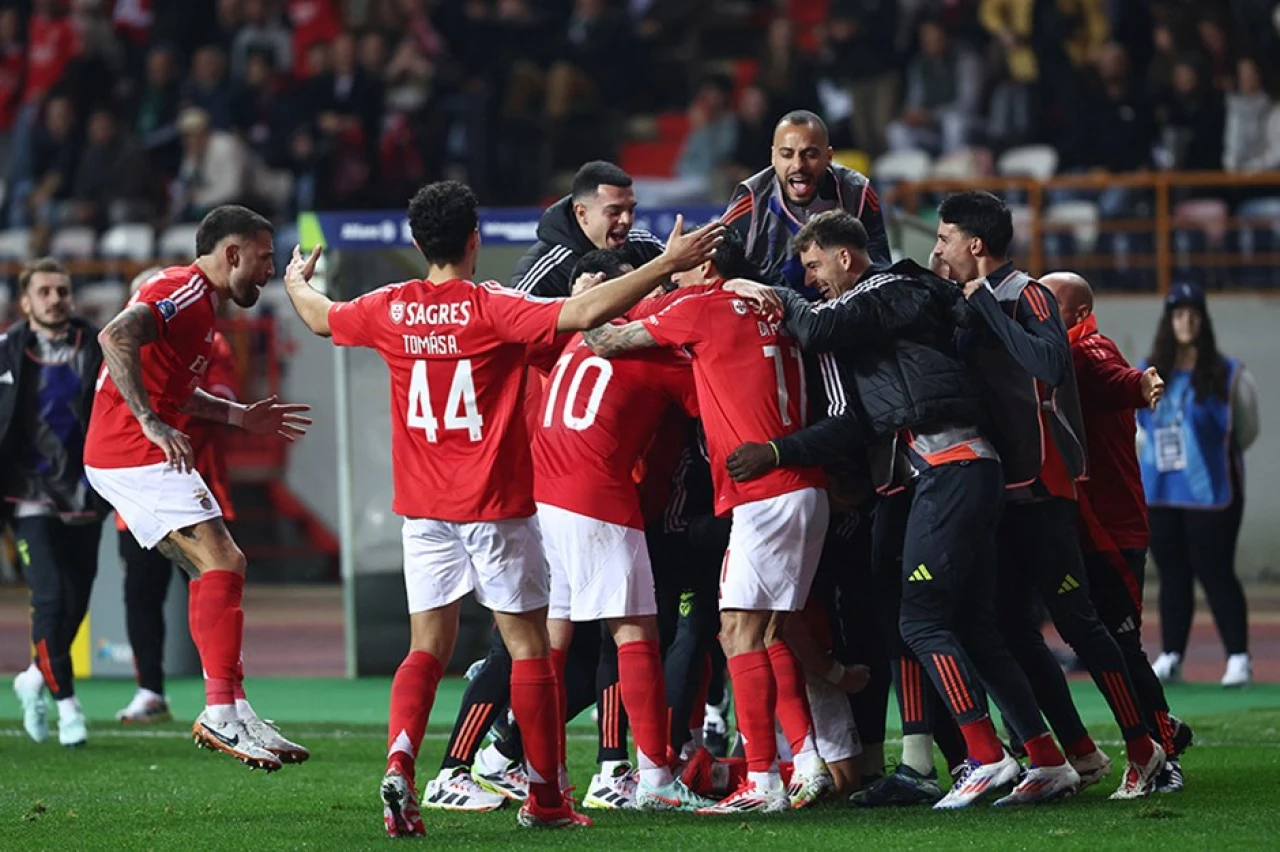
1170	437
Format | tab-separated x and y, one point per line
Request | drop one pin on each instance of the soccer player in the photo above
156	354
1019	347
48	365
598	418
768	208
916	409
751	385
598	213
463	472
1113	508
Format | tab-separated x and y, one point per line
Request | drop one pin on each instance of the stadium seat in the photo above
963	164
1081	217
1060	248
15	244
74	243
894	166
1208	214
177	242
1034	161
101	300
1021	215
852	158
1123	270
131	241
1246	241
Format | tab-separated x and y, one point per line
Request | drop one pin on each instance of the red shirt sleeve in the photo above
516	317
679	323
352	323
1105	379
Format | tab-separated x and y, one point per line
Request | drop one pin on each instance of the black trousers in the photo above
60	562
1116	581
1199	544
147	574
1040	557
948	617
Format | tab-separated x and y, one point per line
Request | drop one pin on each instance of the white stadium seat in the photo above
129	241
76	242
1034	161
894	166
1080	217
15	244
178	242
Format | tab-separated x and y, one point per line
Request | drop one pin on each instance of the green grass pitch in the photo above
150	788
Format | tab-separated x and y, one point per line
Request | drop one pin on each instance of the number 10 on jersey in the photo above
460	411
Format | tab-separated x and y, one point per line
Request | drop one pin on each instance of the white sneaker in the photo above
978	781
497	774
1092	767
1168	667
144	708
73	730
1140	781
232	738
615	791
29	687
1239	671
1043	784
748	798
265	733
455	790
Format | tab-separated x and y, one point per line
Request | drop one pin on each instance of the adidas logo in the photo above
1127	626
920	575
1069	585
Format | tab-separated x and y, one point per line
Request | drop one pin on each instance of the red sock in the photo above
793	699
193	611
644	697
220	623
558	658
1081	747
755	698
533	686
1140	749
698	714
983	744
1043	751
413	691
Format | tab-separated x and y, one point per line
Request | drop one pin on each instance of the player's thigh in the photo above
437	567
509	569
203	547
774	548
156	500
606	565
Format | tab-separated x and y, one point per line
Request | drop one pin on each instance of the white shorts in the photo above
156	499
774	546
501	561
598	569
834	731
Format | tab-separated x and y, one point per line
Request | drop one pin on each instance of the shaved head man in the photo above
1074	296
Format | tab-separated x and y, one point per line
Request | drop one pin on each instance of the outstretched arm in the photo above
264	417
608	341
312	305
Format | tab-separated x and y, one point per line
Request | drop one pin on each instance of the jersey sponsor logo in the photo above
168	309
435	313
397	312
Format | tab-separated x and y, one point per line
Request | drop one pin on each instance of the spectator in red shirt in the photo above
51	44
1113	507
312	21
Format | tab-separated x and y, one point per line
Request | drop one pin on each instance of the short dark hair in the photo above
608	261
229	220
980	214
806	118
587	182
832	229
442	217
43	264
730	258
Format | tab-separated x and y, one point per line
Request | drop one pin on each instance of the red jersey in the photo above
456	354
51	44
1110	390
598	416
751	385
173	366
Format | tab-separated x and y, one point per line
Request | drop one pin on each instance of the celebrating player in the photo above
156	353
463	470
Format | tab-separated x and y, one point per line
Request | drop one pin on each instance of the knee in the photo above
740	633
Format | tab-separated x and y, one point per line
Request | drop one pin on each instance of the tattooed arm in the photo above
122	341
264	417
206	406
610	340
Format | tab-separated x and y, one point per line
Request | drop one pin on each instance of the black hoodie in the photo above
546	267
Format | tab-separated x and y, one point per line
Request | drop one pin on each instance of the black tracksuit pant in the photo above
60	562
147	574
1040	555
948	617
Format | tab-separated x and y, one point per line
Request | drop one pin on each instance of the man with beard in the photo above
48	364
768	208
156	352
597	214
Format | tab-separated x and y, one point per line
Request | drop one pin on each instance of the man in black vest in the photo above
910	401
48	366
1018	344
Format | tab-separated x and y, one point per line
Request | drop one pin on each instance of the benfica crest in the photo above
397	312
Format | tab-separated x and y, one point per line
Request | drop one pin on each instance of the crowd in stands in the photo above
158	110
